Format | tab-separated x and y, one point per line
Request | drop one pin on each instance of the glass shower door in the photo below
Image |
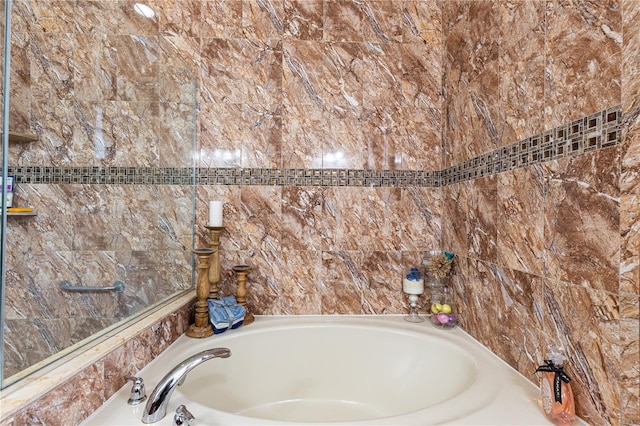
4	30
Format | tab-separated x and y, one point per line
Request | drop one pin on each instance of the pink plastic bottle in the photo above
557	396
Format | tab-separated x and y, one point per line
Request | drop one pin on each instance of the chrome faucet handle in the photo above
182	417
138	393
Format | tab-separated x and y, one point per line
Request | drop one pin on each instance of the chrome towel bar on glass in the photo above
116	286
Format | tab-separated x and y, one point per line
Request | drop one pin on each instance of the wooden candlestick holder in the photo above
214	261
241	293
201	326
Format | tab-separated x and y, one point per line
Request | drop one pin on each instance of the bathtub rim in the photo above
29	389
444	417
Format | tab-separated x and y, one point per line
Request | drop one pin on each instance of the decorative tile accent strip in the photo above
596	131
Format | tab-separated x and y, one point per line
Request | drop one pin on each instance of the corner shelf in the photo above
31	213
17	137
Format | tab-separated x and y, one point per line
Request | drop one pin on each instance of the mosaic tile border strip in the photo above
596	131
222	176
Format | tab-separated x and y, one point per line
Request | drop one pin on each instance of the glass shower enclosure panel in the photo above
4	30
109	176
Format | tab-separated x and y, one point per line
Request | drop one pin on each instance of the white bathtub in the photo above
338	370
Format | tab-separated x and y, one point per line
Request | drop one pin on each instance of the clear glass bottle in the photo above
555	390
442	309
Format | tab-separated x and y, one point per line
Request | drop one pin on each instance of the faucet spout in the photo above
156	407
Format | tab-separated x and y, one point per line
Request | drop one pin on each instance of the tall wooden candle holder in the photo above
201	326
241	292
214	262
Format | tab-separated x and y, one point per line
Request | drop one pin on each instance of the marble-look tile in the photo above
298	284
629	358
379	220
94	140
131	22
341	218
233	237
175	217
359	219
470	79
29	342
520	234
176	135
137	229
180	17
263	146
72	401
150	277
53	16
179	67
479	314
421	78
470	117
630	174
221	19
420	128
343	283
582	219
482	219
303	73
520	336
384	139
20	70
95	67
573	316
220	129
53	228
454	214
344	70
383	270
260	217
52	73
56	124
303	133
382	68
630	63
90	268
301	227
94	206
303	19
240	71
630	243
583	51
522	66
262	20
382	21
136	131
471	36
343	145
343	21
266	293
422	22
420	217
138	68
96	16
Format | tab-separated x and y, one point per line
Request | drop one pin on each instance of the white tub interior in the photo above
351	370
315	373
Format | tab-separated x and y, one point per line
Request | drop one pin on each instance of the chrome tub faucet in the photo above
156	407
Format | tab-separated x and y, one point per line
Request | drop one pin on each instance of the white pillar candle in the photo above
413	286
215	213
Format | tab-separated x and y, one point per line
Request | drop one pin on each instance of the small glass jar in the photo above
443	313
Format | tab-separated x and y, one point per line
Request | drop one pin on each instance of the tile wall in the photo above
320	125
549	251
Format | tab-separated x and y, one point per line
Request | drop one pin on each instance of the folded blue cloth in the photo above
225	313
